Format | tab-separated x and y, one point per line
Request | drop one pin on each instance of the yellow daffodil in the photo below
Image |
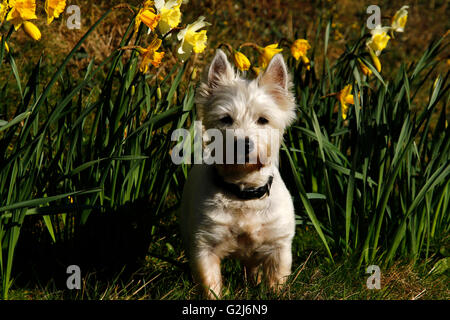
150	55
345	98
267	53
54	8
375	60
148	16
3	10
31	29
20	11
399	19
299	49
170	14
365	69
6	44
192	39
241	61
379	39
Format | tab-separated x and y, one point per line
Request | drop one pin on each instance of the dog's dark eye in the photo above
226	120
262	121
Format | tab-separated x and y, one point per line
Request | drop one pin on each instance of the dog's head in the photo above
251	115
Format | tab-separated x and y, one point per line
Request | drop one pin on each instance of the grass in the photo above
86	176
312	278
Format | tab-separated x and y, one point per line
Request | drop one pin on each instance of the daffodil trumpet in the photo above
150	55
4	10
299	49
170	14
19	14
345	98
265	53
398	21
54	8
192	39
379	39
148	16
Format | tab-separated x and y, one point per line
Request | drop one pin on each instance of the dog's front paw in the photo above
206	271
277	268
276	284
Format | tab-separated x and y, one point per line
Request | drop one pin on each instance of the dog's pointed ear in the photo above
276	73
219	70
277	83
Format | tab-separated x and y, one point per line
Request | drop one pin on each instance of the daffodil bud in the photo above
241	61
133	90
375	60
32	30
158	93
365	70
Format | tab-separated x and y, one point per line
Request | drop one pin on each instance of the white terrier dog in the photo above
241	210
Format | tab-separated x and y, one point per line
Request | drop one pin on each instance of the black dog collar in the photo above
244	194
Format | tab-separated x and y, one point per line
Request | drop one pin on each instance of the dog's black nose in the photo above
249	145
245	145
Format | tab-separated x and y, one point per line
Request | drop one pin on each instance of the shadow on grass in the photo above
110	243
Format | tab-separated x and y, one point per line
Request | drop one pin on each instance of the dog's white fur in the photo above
216	224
